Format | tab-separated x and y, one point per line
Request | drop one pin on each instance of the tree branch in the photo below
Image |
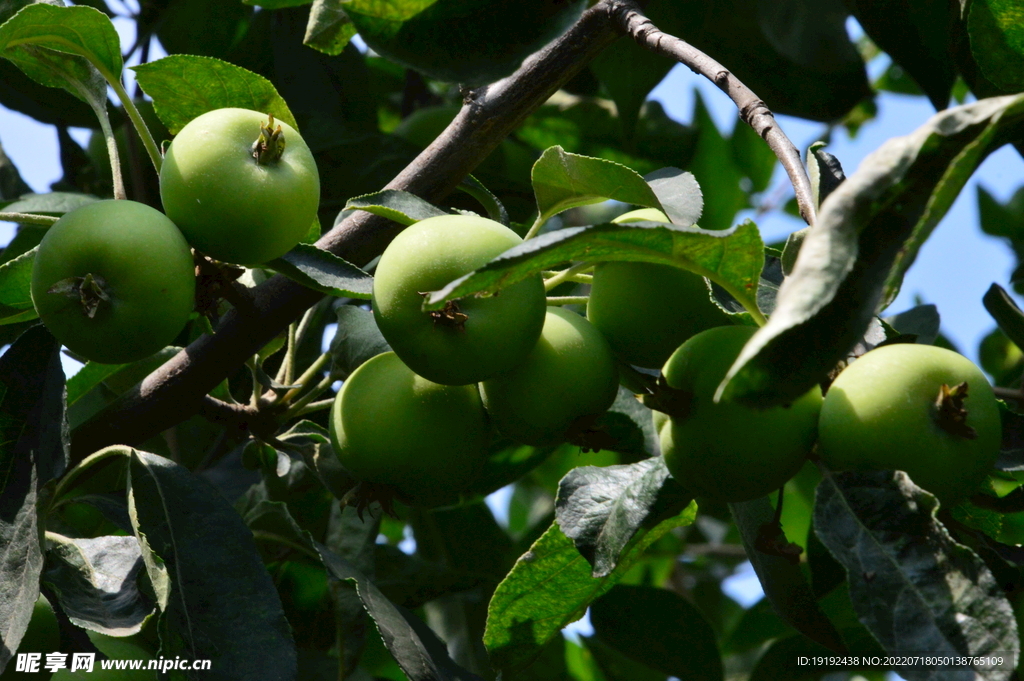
752	110
175	390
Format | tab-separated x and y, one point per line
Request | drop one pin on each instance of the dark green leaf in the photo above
679	195
54	203
223	605
473	42
507	461
615	666
11	184
716	172
16	289
33	449
323	271
96	582
81	31
996	29
401	207
329	29
411	582
758	625
921	321
825	172
1004	310
601	509
352	534
1011	452
752	156
794	54
916	34
562	180
356	340
912	586
629	73
551	586
418	651
658	628
475	188
867	234
732	258
784	583
183	87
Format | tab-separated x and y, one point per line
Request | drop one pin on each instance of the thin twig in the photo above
752	110
1014	394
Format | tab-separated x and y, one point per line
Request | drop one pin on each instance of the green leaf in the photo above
81	31
659	628
418	651
562	180
614	666
911	584
752	156
96	582
475	188
921	321
54	203
401	207
550	587
1003	309
783	582
716	172
825	172
33	449
356	340
868	232
629	72
466	41
16	289
679	195
223	605
323	271
329	29
11	184
996	29
1011	450
602	508
732	258
183	87
916	34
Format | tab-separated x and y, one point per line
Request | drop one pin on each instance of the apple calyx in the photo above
950	413
450	315
90	291
269	146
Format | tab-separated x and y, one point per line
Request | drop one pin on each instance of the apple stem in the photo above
950	413
90	291
269	146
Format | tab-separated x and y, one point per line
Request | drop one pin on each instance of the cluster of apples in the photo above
114	280
419	419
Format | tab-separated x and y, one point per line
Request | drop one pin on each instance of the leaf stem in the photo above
140	125
112	153
28	219
566	275
315	368
535	227
568	300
